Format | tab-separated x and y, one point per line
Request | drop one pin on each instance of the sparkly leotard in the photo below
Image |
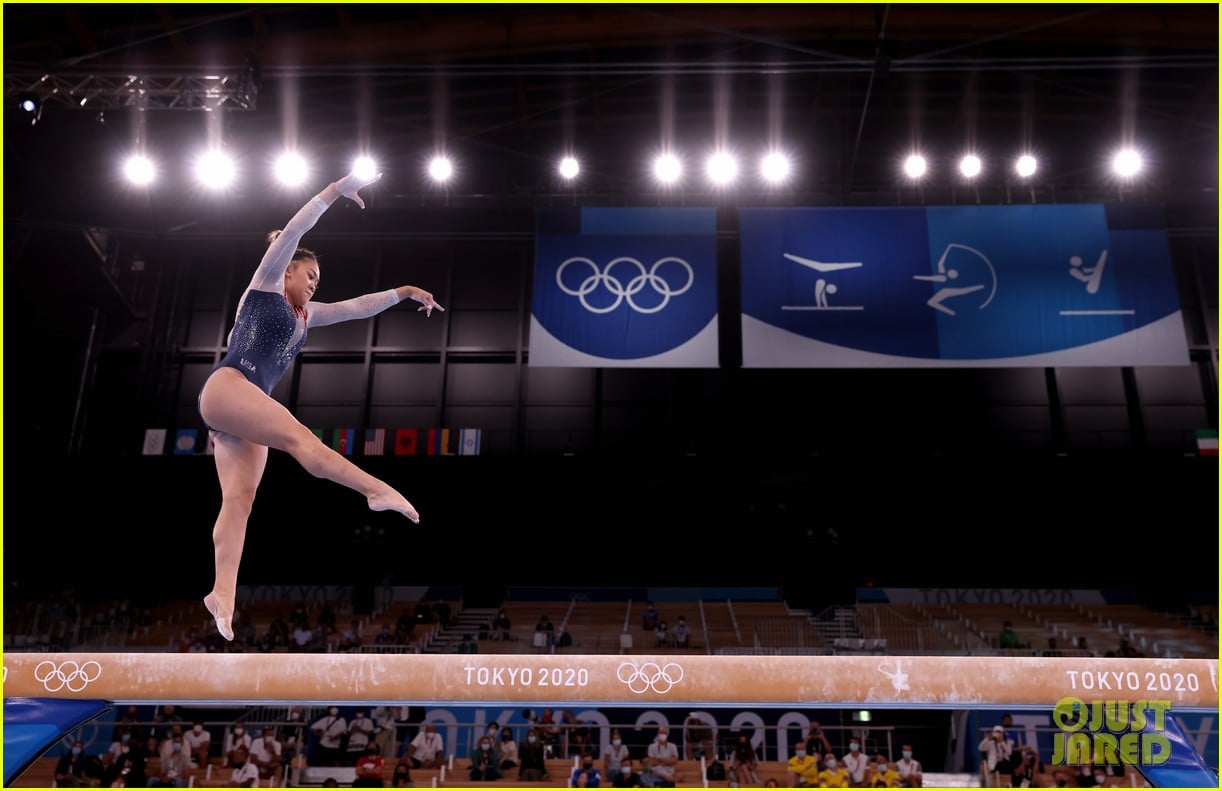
268	332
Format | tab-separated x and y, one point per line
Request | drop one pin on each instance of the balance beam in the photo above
956	682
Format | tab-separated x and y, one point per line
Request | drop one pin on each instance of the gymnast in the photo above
235	402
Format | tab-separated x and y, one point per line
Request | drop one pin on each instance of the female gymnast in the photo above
235	402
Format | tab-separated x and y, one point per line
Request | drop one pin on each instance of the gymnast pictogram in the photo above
945	275
1090	275
823	288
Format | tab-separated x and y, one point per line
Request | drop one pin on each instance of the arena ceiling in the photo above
846	89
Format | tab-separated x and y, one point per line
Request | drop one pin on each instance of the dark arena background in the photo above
951	495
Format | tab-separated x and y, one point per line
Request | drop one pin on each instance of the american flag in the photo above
375	441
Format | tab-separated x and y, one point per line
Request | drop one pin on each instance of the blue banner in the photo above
965	286
32	725
625	288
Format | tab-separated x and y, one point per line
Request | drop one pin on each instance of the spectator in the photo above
326	618
235	738
1008	638
833	775
697	738
402	776
855	762
532	764
884	774
351	639
681	634
615	757
1126	650
1082	646
817	744
265	754
743	762
803	768
369	769
70	769
1022	775
509	750
128	768
166	748
468	645
627	777
330	730
649	617
909	769
660	632
662	757
549	732
360	734
549	632
1060	779
563	638
384	727
500	626
245	773
243	630
299	617
199	743
1052	649
586	775
995	753
577	734
427	750
385	636
485	761
175	764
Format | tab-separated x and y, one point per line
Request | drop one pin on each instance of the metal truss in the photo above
97	91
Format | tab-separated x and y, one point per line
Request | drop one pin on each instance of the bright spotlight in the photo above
440	169
970	166
139	170
1025	166
667	169
31	104
774	168
1126	163
364	167
569	168
721	168
214	170
914	166
291	169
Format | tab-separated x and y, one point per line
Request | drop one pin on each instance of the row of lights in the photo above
215	169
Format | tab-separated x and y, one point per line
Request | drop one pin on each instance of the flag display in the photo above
343	440
1207	441
406	441
439	442
154	441
375	441
185	440
468	442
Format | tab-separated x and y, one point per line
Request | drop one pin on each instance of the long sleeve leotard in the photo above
267	332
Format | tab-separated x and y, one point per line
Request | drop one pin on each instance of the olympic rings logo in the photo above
645	277
69	675
650	676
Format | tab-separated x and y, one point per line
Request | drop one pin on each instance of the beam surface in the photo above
610	679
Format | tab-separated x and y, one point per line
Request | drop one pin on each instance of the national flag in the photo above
375	441
439	442
154	441
406	440
184	441
468	442
344	441
1207	441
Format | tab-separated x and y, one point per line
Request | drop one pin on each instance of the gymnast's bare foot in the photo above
213	603
390	500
